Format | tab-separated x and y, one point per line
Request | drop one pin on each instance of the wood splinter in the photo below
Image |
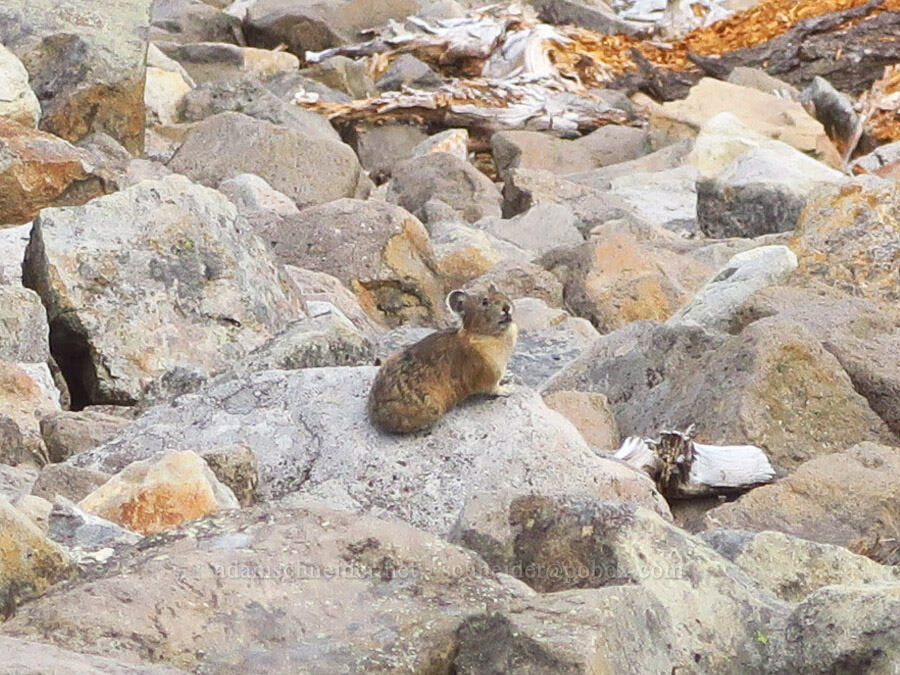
683	469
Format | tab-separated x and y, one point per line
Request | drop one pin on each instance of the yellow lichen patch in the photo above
29	562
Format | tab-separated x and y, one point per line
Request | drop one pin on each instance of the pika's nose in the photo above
507	310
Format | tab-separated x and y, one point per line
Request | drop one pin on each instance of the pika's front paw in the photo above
503	389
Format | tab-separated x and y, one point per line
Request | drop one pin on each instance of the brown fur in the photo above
416	387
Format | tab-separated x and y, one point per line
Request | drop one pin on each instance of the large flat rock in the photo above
310	434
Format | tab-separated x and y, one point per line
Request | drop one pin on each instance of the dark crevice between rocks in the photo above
491	643
72	353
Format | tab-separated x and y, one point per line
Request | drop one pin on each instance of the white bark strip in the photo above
684	469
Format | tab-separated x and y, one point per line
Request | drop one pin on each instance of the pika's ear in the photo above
456	300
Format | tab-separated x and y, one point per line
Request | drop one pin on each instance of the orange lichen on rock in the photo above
38	170
589	53
765	21
880	106
152	496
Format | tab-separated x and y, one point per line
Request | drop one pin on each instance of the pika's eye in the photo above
484	301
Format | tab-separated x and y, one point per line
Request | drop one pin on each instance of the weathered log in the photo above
660	83
482	105
849	48
463	44
529	62
683	469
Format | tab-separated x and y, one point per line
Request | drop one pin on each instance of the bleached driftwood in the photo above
520	102
451	40
493	42
506	78
684	469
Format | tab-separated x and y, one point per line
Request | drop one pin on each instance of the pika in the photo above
416	387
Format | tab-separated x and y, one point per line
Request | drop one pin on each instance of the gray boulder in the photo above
792	567
308	169
325	338
443	176
380	147
265	208
192	21
16	481
173	287
863	335
760	192
408	71
549	339
773	386
539	230
845	629
610	144
882	156
309	431
252	195
67	480
716	304
84	533
86	64
668	157
250	97
67	433
24	332
13	241
524	188
378	250
667	198
309	25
